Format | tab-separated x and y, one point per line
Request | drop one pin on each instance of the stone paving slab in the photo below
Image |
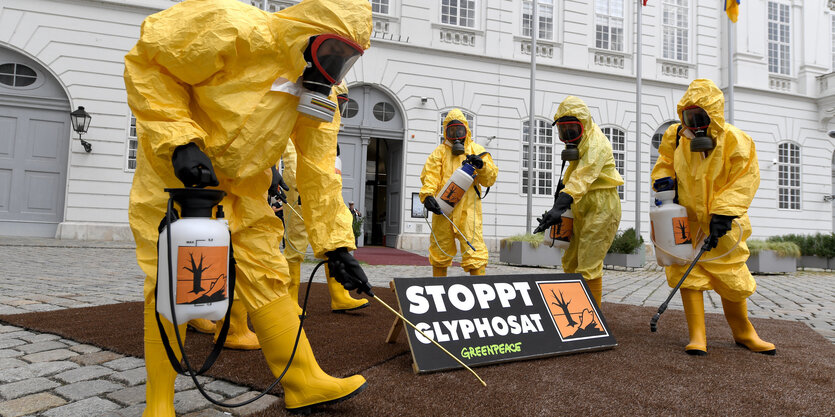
30	404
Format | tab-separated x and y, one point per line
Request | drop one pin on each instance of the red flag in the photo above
645	2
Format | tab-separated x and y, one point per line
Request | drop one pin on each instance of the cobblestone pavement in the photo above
45	375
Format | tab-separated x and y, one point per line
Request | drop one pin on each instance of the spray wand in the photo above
459	231
653	323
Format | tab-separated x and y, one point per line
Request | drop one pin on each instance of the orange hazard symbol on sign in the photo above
571	310
201	274
681	230
452	195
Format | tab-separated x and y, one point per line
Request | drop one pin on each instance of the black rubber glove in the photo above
193	167
432	205
347	271
554	216
475	161
664	184
278	181
719	226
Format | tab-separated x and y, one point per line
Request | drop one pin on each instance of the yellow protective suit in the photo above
592	182
721	181
215	72
467	214
295	238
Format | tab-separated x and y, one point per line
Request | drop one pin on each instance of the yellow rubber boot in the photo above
596	289
293	286
694	312
438	271
202	325
159	388
341	299
477	271
736	313
239	336
305	384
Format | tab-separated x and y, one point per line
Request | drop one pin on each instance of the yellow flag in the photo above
732	9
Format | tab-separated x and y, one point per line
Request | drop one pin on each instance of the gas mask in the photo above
570	132
456	134
342	99
696	120
329	57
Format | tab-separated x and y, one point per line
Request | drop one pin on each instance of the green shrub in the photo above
534	239
627	242
357	225
782	248
819	244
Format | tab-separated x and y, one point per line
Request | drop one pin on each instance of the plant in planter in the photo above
627	250
528	249
816	251
357	226
772	257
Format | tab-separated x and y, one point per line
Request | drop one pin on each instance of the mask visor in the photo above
695	117
334	56
570	131
455	131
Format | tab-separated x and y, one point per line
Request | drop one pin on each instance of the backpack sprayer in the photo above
559	235
196	233
670	234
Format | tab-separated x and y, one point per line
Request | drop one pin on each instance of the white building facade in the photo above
427	57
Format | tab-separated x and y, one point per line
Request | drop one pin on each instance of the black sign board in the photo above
499	318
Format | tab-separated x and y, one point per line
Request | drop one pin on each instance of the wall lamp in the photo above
828	198
80	123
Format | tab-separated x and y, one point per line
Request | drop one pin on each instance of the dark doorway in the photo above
376	192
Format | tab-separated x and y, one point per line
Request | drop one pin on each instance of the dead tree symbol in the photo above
197	272
682	227
564	306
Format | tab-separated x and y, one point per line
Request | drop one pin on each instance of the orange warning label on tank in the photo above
201	274
452	195
681	230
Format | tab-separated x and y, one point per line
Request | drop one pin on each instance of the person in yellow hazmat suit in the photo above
714	166
217	88
458	147
295	238
239	335
590	190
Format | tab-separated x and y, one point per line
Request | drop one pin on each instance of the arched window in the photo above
543	157
618	139
470	122
656	142
788	176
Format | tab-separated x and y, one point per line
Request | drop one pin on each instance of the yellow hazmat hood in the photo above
456	114
705	94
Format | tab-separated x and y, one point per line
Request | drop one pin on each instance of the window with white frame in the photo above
618	139
132	144
609	24
779	38
458	12
675	23
470	122
545	15
788	176
380	6
543	158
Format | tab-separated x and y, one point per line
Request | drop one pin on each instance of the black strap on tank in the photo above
486	191
224	330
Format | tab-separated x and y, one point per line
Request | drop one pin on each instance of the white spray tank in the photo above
458	184
200	259
559	235
670	230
